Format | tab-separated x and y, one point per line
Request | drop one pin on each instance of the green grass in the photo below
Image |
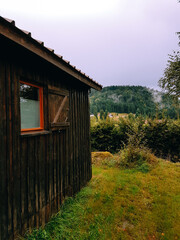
121	204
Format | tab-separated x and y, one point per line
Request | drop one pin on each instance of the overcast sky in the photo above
116	42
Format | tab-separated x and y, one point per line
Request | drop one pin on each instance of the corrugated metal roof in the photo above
29	35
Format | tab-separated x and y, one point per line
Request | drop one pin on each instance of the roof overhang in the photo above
23	38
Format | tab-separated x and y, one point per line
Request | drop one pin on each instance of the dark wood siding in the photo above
37	171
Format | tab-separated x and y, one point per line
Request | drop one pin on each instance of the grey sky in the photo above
116	42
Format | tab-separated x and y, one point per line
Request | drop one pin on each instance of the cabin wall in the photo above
9	149
37	171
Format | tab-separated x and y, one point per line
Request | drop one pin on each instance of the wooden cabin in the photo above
45	150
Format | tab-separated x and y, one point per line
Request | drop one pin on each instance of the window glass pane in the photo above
30	106
58	108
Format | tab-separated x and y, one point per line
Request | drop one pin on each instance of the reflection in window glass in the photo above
56	102
29	106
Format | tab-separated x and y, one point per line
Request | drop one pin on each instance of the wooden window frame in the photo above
59	92
40	107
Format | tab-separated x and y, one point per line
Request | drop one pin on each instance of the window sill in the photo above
34	133
63	124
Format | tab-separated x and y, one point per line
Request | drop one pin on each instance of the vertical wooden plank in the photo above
63	164
3	149
37	184
83	137
50	147
89	136
77	144
47	175
78	137
57	172
31	181
86	134
61	168
81	142
54	169
87	139
42	177
15	112
72	138
77	160
24	184
67	161
74	146
70	145
73	141
52	174
60	171
47	147
40	188
9	159
43	160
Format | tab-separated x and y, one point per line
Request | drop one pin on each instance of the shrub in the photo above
130	157
144	168
135	153
99	157
136	157
105	137
161	136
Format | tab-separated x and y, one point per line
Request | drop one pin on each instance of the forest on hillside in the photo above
132	99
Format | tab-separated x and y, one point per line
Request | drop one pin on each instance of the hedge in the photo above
161	136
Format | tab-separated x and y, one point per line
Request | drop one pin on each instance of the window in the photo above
58	108
31	107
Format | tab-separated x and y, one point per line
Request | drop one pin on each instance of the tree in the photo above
101	114
178	33
105	114
170	82
95	112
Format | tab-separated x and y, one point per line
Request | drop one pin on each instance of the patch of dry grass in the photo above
99	157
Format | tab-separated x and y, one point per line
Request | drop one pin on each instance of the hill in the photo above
130	99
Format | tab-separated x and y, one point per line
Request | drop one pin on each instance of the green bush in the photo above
144	168
161	136
136	157
105	137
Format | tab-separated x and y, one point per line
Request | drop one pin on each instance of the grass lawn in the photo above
121	204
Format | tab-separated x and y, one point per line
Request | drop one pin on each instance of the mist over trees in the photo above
132	99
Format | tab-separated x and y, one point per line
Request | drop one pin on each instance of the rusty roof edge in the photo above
27	34
10	21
